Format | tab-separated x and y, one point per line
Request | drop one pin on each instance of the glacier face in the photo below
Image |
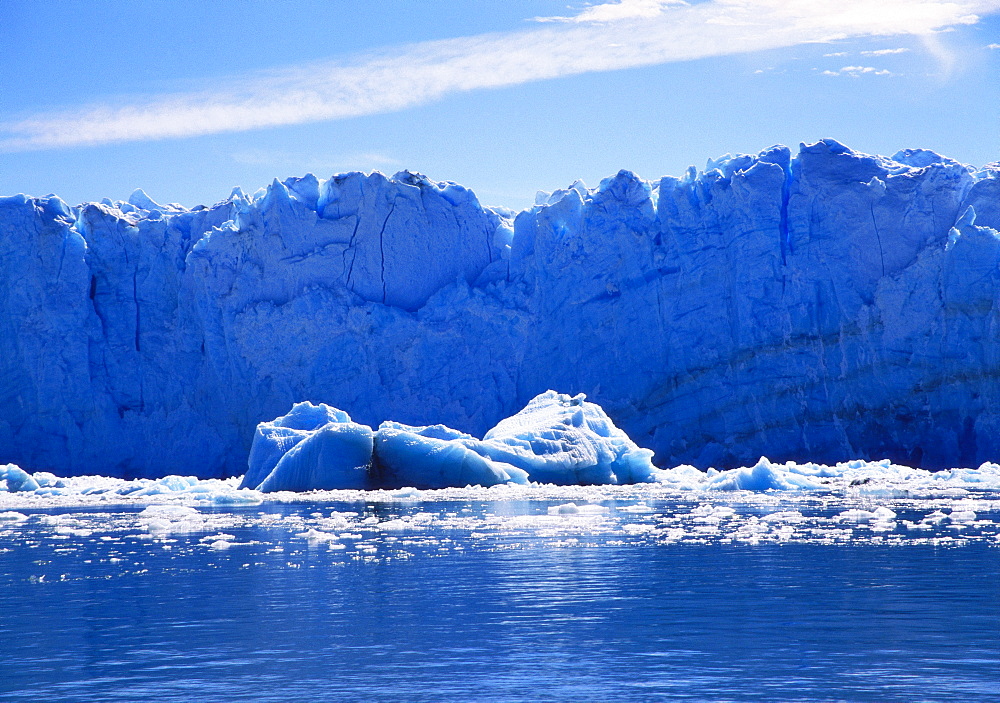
827	305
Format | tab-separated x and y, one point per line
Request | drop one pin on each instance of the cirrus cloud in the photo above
603	37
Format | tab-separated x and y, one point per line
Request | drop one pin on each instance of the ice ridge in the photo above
824	305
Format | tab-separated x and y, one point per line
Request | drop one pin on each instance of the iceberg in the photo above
565	440
312	447
763	476
17	479
824	305
555	439
435	457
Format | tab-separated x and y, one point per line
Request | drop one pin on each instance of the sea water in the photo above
616	594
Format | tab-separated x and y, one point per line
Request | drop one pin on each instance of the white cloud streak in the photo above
419	73
855	71
884	52
617	11
945	57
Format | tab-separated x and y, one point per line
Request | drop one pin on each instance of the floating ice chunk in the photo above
52	491
72	531
11	516
396	525
814	470
786	516
751	532
408	492
638	528
18	480
47	480
952	493
882	515
435	457
565	440
336	521
684	476
314	535
233	497
855	515
962	516
170	512
162	486
312	447
166	519
935	518
218	536
565	509
712	514
637	508
574	509
764	476
987	476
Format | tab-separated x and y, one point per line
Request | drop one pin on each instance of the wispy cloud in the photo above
617	11
855	71
993	46
836	53
884	52
945	57
603	37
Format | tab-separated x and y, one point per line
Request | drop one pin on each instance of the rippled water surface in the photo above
477	600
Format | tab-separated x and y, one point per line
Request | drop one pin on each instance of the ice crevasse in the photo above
824	305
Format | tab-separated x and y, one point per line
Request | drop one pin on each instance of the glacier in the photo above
826	304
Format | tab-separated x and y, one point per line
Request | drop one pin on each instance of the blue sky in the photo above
188	99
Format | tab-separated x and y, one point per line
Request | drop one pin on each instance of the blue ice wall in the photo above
824	306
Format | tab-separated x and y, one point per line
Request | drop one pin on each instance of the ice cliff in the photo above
822	306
